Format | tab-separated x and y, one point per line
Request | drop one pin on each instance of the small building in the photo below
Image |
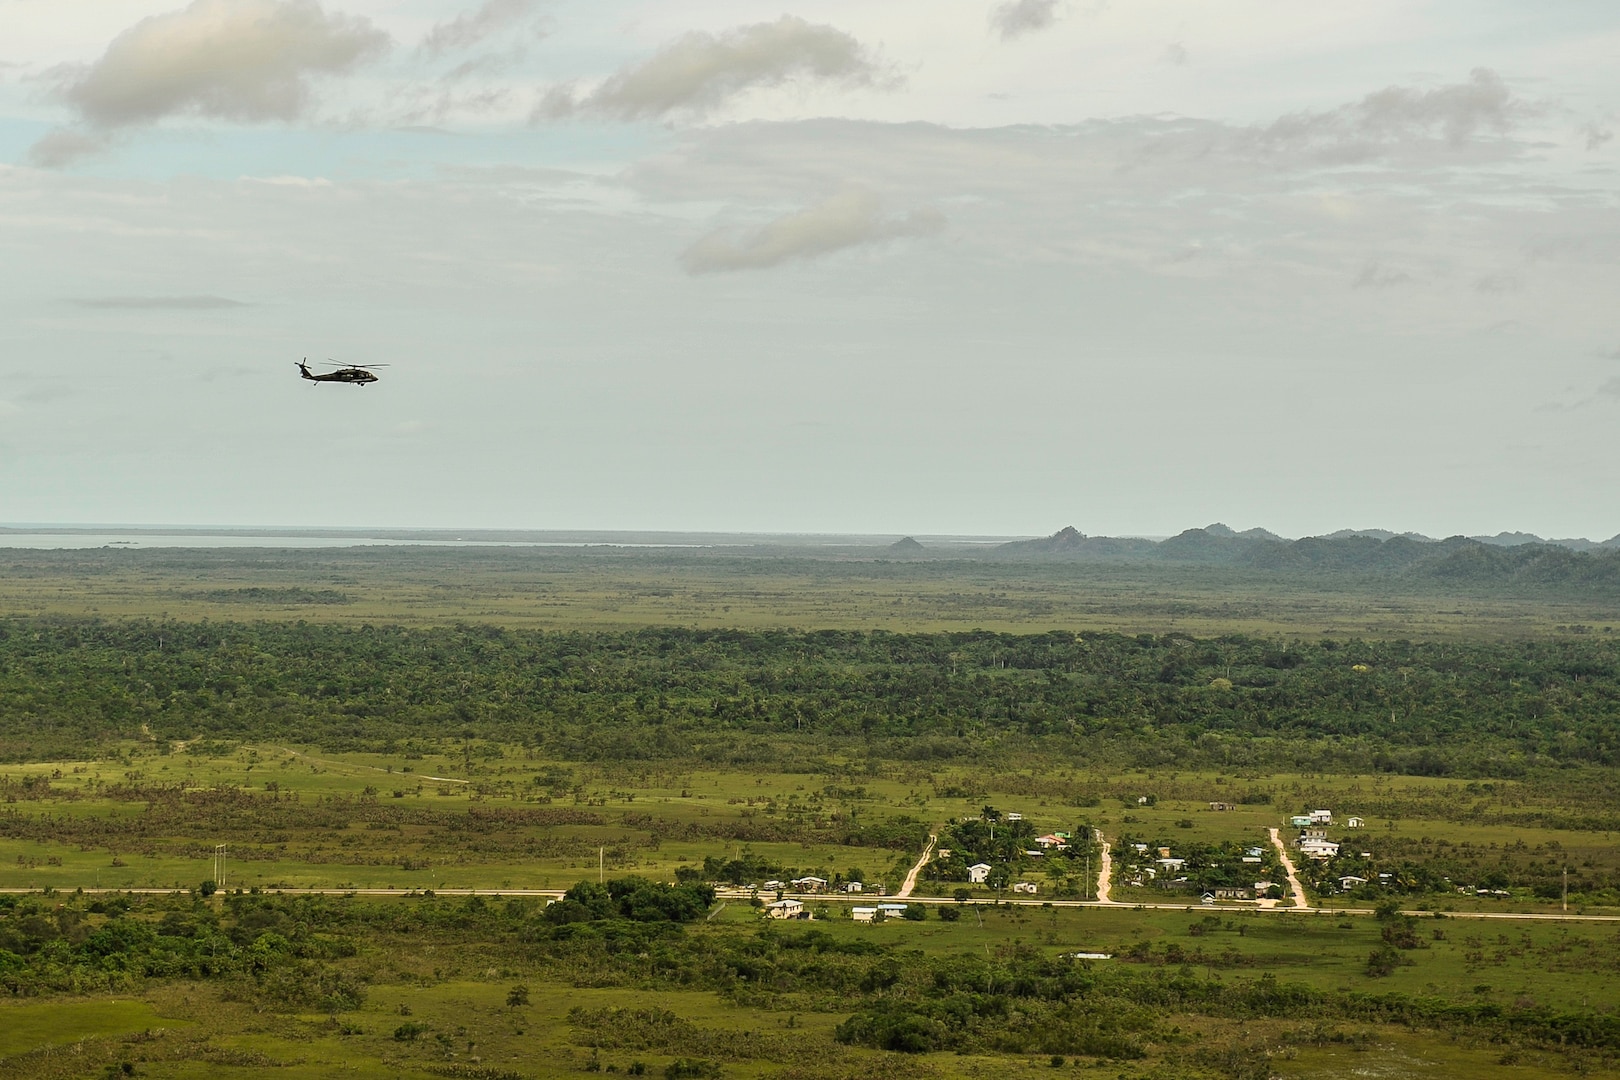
1263	886
1013	815
1321	817
809	884
1052	840
1300	822
1208	898
785	909
1221	806
1251	858
774	886
1232	892
853	887
1171	865
1354	823
891	911
978	873
1254	851
863	914
1034	853
1350	881
1141	849
1318	849
1025	887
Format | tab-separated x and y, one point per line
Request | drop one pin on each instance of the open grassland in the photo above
489	816
845	589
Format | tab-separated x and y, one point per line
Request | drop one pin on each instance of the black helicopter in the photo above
357	376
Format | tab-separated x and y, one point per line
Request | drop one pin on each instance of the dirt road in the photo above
1294	886
922	861
1105	875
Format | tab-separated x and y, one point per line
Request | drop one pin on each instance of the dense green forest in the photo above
1479	708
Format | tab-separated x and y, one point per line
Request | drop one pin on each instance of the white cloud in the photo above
700	71
849	219
470	29
1016	18
243	60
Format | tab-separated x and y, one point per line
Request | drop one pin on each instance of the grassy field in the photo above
450	999
149	816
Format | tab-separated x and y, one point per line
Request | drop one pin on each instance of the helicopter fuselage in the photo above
356	376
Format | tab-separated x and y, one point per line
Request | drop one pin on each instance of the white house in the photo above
773	886
1321	817
785	909
1318	849
1013	815
892	909
979	872
1350	881
1172	864
1251	858
863	914
853	886
809	884
1025	887
1052	840
1354	823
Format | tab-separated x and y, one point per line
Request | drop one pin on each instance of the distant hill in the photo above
906	546
1510	561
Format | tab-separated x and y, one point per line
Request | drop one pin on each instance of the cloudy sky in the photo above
932	266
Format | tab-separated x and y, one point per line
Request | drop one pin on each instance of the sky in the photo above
922	266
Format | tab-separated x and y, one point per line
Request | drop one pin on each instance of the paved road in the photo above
743	894
911	878
1293	877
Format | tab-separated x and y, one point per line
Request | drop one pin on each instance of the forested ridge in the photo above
1430	708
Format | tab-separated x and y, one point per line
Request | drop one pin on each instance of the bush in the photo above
691	1069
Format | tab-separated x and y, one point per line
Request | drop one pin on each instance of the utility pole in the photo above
219	867
1566	888
601	865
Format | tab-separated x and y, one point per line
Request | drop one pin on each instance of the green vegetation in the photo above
358	721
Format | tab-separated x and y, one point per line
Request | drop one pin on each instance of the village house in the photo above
1350	881
1354	823
1321	817
1299	822
978	873
1052	840
1025	887
774	886
1233	893
785	909
1221	806
809	884
853	887
863	914
1314	848
1013	815
891	911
